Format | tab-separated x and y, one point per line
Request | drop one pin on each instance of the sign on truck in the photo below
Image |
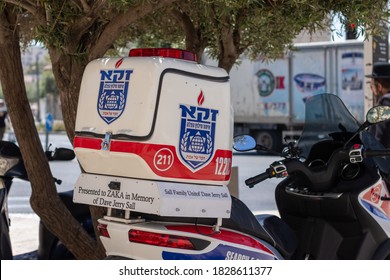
268	97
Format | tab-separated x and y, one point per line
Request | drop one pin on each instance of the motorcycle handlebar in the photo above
258	178
320	179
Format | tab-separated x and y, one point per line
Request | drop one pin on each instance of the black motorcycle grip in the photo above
257	179
376	153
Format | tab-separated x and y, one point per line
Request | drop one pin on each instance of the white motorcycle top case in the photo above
155	119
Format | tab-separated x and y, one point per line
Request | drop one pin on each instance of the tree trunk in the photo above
68	62
44	198
229	48
68	72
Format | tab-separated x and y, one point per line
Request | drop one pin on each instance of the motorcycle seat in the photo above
266	227
283	236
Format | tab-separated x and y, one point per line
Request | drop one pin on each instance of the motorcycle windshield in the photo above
326	118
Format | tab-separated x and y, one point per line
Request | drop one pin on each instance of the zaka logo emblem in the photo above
197	131
114	86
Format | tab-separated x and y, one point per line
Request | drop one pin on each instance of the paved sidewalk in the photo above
24	236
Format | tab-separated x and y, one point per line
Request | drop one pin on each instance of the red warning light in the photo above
163	52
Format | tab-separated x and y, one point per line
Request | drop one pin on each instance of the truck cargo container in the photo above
268	97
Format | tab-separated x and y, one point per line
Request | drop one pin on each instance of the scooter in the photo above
333	202
335	192
12	166
159	162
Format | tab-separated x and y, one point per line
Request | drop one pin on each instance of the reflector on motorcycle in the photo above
102	228
162	240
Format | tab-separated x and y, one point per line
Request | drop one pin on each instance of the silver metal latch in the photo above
106	141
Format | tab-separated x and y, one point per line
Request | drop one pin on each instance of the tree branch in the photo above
193	42
83	5
24	5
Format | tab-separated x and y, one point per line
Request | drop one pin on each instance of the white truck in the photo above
268	97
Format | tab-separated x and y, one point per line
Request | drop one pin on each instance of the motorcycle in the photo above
335	189
164	186
12	166
333	201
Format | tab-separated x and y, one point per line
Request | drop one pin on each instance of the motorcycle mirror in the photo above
378	114
375	115
63	154
244	143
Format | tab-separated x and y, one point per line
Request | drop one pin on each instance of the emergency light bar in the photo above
163	52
